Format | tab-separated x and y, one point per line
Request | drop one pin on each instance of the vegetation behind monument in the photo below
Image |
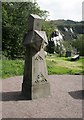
15	25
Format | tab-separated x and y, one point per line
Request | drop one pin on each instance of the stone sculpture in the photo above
35	83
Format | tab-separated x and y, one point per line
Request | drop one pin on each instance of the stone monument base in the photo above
36	91
40	90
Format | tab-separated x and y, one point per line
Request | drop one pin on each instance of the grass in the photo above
12	68
62	65
55	65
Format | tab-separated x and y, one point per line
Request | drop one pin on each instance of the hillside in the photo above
69	30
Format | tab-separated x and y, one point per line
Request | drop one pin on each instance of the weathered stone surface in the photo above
40	90
36	39
35	82
34	22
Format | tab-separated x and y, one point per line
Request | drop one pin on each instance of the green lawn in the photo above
62	65
55	65
12	68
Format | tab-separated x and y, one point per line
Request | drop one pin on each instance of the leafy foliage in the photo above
15	25
50	47
48	27
79	44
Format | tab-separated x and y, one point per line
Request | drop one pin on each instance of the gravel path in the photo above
65	100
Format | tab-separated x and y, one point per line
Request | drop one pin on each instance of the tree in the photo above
15	25
51	47
79	44
48	27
